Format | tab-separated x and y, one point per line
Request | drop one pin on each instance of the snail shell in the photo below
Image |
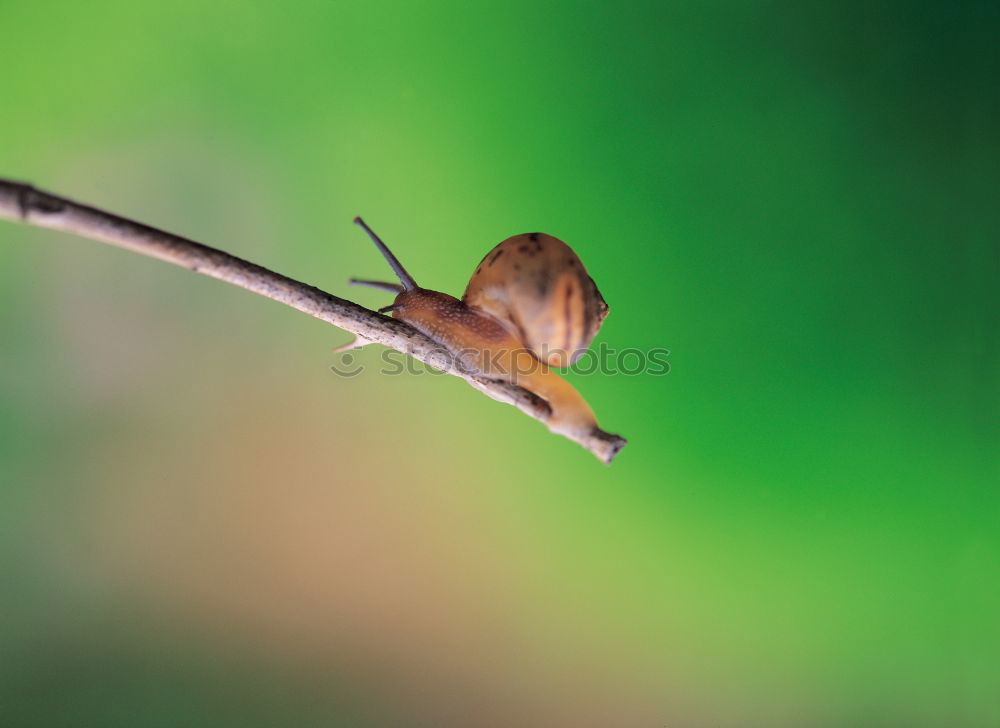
535	284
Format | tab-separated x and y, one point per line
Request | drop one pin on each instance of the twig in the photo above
21	202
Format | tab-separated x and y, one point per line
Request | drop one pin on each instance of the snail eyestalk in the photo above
383	285
405	278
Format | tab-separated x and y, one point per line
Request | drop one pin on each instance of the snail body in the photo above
529	306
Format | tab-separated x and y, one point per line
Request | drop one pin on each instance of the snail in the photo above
529	306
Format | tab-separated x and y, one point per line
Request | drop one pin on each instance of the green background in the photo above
201	525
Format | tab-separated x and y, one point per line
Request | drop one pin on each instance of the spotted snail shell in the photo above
537	285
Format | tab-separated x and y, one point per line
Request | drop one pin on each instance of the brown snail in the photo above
529	306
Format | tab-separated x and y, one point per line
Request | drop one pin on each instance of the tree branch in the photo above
21	202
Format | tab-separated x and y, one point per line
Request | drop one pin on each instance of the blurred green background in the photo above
201	525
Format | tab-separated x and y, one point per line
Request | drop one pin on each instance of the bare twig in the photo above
21	202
